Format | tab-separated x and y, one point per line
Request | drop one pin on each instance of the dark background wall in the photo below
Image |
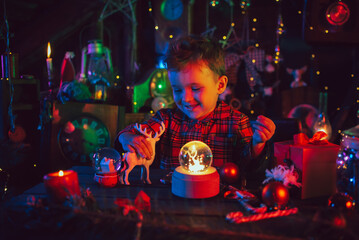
68	25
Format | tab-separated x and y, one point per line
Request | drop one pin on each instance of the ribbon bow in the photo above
317	139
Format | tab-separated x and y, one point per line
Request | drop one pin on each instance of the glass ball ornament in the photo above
229	172
195	157
275	195
160	85
106	160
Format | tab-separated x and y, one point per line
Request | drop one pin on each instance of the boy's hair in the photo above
192	49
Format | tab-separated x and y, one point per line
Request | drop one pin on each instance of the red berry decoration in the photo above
275	195
229	172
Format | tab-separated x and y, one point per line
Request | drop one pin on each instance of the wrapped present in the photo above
282	151
315	159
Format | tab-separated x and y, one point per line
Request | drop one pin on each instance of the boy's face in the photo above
196	89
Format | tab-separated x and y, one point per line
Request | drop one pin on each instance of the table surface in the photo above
181	218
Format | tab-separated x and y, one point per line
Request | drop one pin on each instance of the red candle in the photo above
61	185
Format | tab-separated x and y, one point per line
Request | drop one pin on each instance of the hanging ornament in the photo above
229	173
67	68
18	135
275	195
341	201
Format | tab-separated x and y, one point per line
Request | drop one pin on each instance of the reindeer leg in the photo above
148	174
122	171
143	174
127	172
120	177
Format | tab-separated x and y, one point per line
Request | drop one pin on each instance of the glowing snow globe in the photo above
106	162
195	177
195	156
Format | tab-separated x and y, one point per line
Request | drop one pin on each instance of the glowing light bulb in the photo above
195	157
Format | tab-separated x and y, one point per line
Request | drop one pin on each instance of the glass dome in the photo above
106	160
195	157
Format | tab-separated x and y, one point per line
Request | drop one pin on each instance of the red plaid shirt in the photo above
226	131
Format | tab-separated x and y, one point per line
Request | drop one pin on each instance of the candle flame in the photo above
326	129
61	173
99	94
48	50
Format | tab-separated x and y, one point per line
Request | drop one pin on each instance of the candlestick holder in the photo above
195	178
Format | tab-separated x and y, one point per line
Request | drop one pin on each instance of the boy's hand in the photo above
263	128
136	143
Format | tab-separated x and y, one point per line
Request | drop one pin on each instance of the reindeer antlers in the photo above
162	129
138	127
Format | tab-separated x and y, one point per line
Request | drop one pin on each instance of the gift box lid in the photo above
315	146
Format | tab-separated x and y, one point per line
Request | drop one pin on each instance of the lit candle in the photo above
100	92
49	61
62	185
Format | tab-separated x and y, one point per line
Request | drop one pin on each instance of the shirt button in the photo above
198	125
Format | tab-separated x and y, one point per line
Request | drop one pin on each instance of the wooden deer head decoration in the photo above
133	159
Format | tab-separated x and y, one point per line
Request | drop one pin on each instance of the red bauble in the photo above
275	194
18	135
229	173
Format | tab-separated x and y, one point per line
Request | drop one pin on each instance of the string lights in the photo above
5	176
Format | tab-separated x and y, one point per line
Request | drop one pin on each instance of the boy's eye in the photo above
196	88
176	90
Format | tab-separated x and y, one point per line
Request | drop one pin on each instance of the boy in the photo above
196	72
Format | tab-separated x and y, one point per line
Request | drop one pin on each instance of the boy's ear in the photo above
222	84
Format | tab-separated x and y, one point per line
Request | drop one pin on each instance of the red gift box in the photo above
317	164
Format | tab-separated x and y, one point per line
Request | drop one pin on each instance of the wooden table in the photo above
171	217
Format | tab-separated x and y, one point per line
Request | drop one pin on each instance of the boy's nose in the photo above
187	96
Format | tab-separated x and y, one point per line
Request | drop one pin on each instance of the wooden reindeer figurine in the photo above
132	159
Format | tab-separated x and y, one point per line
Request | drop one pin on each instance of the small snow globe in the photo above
195	156
106	160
